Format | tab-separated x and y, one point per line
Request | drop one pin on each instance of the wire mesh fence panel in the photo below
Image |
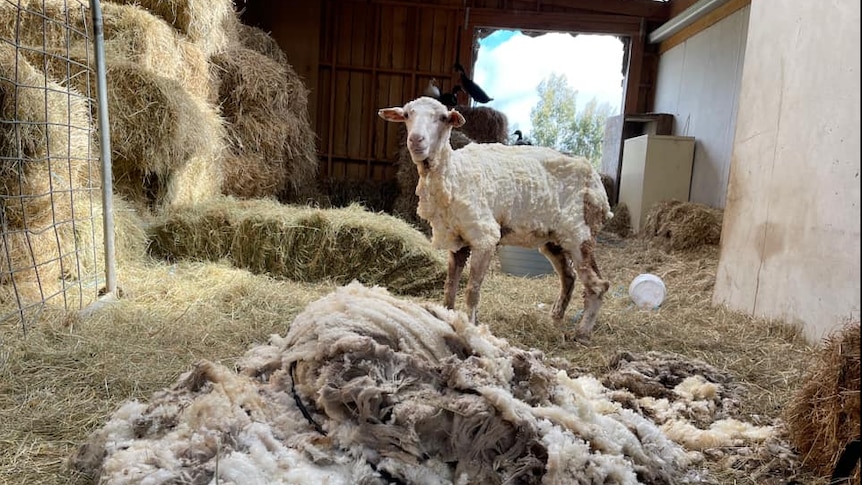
51	229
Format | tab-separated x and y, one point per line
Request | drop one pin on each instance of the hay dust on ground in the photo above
63	378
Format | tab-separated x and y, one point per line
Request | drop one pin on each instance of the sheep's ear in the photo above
392	114
456	119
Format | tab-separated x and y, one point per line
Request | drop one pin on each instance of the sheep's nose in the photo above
416	138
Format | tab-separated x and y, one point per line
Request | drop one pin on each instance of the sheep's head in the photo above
429	124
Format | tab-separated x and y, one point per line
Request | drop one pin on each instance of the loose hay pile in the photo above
679	226
824	415
303	243
397	391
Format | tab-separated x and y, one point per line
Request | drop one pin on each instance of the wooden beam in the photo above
635	68
648	9
702	24
554	21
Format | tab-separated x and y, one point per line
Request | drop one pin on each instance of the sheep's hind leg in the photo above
594	289
478	266
562	262
457	260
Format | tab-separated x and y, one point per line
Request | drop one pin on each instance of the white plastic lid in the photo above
647	290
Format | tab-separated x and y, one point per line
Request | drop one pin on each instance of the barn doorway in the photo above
556	88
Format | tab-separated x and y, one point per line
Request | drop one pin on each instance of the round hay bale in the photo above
677	225
135	35
406	200
823	416
260	41
159	132
23	22
45	154
131	33
608	184
272	145
484	124
621	223
303	243
211	24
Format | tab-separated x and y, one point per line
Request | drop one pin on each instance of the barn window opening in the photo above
556	88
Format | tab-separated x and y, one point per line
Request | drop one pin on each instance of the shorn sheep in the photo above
485	195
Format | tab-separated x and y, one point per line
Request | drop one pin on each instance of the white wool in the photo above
431	400
724	432
570	461
355	309
696	387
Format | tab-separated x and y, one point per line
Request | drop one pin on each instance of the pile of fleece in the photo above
367	388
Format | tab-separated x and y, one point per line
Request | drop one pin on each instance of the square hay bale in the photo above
303	243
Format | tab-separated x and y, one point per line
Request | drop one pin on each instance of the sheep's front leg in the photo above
562	262
457	260
594	289
478	266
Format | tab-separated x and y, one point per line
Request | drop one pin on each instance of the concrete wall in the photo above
790	243
698	82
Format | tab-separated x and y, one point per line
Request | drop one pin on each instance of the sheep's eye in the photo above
443	118
406	115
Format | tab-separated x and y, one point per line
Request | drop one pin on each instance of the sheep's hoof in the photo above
580	336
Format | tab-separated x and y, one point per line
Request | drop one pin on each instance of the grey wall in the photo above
698	82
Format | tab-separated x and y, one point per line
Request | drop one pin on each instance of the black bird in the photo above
472	88
450	100
521	140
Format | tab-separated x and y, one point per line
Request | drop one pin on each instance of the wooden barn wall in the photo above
357	56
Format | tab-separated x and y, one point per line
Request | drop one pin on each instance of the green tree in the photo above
558	124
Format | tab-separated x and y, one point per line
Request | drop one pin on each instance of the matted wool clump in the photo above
369	388
677	225
303	243
824	415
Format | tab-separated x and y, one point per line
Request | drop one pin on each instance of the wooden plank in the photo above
633	76
557	22
648	9
702	24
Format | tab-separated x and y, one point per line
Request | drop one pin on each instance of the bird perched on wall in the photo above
472	88
520	140
433	89
450	100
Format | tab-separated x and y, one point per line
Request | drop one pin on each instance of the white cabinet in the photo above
654	168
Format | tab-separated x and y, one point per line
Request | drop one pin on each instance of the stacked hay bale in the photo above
680	226
303	243
823	417
272	150
49	187
45	150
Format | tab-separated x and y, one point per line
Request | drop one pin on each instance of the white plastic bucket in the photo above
647	290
